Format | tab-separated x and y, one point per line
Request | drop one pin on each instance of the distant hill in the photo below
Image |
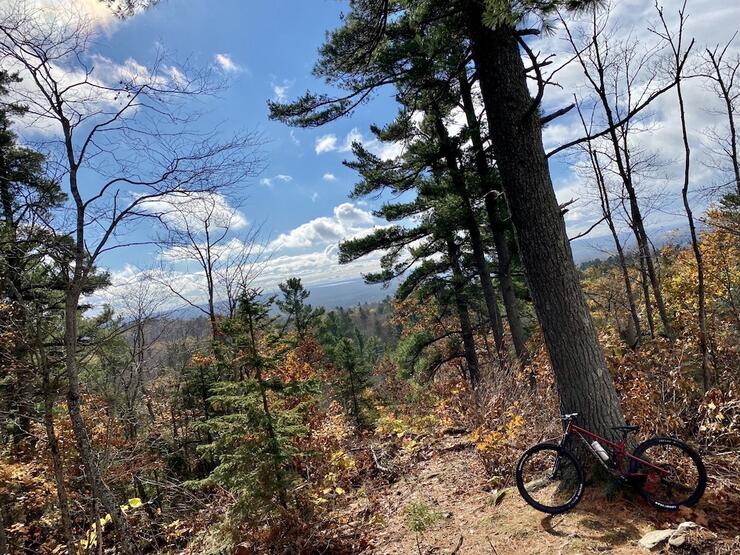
602	247
344	294
348	293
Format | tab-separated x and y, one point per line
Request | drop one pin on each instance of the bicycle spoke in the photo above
549	479
679	477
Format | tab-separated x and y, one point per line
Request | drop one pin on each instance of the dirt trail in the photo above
453	483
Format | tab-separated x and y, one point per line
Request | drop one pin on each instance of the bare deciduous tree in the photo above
204	229
679	52
123	137
625	79
721	68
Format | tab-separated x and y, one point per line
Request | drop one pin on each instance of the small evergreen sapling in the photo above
261	415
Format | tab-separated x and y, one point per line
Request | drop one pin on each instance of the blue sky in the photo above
266	50
267	57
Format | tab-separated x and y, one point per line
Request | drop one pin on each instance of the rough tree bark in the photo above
583	380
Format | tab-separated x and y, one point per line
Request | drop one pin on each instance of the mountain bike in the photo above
668	473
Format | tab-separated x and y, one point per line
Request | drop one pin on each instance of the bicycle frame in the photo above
618	449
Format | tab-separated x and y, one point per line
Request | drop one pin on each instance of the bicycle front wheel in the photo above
549	478
672	473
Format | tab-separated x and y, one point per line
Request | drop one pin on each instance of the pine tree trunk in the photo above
476	242
583	380
21	394
466	330
501	244
74	404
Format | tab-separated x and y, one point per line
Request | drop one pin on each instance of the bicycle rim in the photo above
680	479
549	479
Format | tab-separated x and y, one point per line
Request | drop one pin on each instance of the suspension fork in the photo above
556	466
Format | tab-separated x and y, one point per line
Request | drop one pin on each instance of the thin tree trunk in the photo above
727	98
645	284
497	226
607	212
3	536
461	303
646	253
56	459
583	380
476	242
87	455
355	404
701	293
621	158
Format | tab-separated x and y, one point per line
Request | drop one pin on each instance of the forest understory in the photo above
202	405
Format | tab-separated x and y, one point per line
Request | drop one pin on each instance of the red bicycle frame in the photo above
619	450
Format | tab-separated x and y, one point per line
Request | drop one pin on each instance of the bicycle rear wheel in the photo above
683	480
549	478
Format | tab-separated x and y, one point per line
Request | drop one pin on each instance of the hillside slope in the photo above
450	483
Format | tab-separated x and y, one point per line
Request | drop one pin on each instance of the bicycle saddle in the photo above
626	429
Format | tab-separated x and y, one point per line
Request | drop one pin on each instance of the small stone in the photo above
654	539
677	540
686	525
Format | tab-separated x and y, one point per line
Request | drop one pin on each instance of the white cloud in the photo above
329	177
280	91
95	13
346	222
325	143
192	211
177	75
225	62
314	197
270	181
330	143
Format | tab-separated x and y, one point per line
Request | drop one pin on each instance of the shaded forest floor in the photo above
469	517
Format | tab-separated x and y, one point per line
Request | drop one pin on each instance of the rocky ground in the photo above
458	512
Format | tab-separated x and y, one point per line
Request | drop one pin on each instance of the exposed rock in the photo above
653	539
686	525
677	540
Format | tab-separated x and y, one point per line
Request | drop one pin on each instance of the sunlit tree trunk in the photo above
583	380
